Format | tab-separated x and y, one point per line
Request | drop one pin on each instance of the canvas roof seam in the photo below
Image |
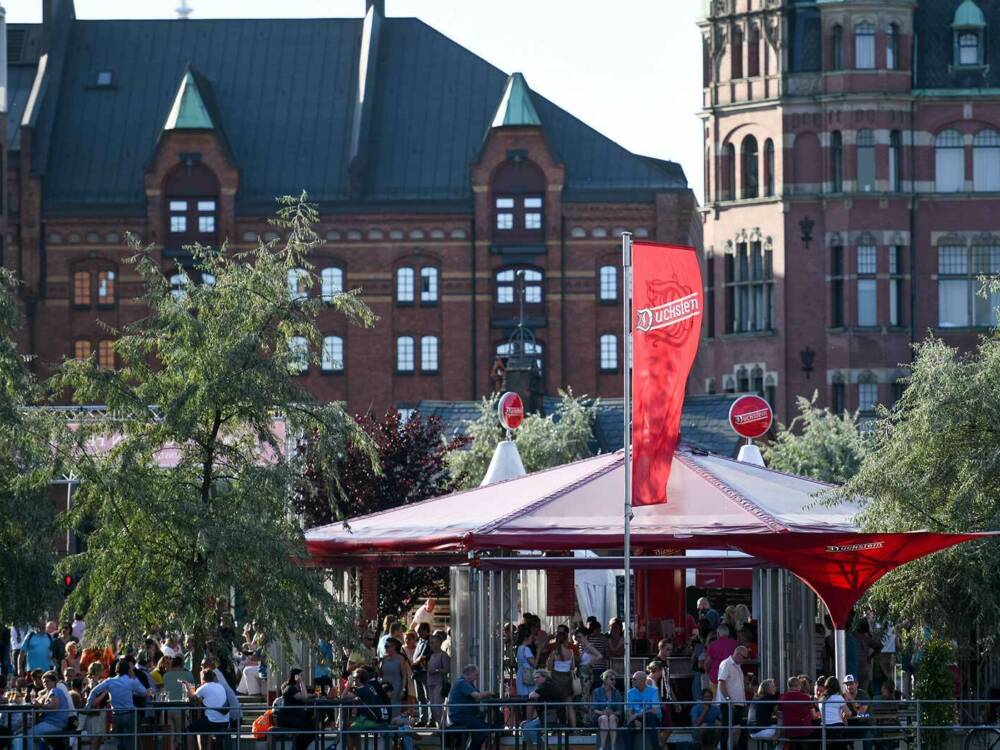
744	502
543	501
775	471
430	500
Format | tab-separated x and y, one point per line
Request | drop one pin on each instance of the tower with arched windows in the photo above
852	187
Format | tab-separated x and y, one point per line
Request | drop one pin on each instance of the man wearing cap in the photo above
857	707
732	699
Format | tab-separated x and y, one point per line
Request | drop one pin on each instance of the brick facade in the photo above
851	215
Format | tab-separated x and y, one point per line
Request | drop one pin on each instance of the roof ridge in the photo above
732	494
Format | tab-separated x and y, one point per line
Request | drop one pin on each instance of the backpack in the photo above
374	703
262	725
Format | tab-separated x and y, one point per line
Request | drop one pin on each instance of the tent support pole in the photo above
627	392
840	653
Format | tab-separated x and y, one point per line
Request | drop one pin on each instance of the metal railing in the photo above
336	724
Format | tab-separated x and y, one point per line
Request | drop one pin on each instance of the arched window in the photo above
608	283
106	355
531	348
867	267
895	161
864	46
105	288
405	354
949	162
428	353
753	51
508	281
986	160
727	172
837	47
333	354
191	194
331	283
750	167
81	289
519	203
768	167
404	285
837	162
892	46
178	284
968	52
706	62
736	54
609	352
298	355
299	282
82	349
866	160
428	285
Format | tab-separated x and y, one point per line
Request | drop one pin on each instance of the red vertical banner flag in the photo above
667	304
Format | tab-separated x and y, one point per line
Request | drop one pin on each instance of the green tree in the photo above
543	442
27	557
412	466
934	464
206	372
934	681
818	443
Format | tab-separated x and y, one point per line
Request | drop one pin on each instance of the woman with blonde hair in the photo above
606	710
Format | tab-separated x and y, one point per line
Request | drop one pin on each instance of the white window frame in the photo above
429	354
331	283
405	285
607	281
608	352
298	351
949	162
428	285
333	354
866	160
299	281
405	354
864	46
867	397
986	161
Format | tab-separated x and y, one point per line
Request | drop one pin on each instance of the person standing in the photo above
438	671
834	715
424	614
122	690
395	670
36	652
705	610
719	650
421	655
732	698
463	706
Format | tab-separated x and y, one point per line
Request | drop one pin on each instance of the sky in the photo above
629	68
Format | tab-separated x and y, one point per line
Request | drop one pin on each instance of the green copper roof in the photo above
515	104
968	15
189	111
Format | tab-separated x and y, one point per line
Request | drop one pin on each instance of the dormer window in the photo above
192	203
969	28
519	204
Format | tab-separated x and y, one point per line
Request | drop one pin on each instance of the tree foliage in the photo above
935	464
818	443
206	373
411	467
27	556
934	681
543	442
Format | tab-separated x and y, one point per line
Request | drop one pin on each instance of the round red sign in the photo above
750	416
510	410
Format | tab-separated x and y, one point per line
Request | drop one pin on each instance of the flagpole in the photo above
627	368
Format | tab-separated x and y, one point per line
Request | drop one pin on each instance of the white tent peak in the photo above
505	464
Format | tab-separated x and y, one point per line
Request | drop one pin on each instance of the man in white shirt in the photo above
424	613
215	719
732	699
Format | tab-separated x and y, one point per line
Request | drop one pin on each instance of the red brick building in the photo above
852	189
438	178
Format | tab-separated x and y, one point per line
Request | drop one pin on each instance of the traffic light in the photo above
69	583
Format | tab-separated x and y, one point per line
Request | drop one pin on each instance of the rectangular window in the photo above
333	354
608	282
864	46
105	355
533	213
866	160
178	206
505	213
609	352
428	285
892	46
82	350
178	224
837	287
895	285
81	288
749	289
867	302
206	206
839	400
331	283
404	354
106	288
986	262
710	294
298	354
404	285
429	354
895	160
867	396
954	287
206	224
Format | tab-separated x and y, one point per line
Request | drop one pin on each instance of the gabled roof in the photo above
189	110
284	89
515	106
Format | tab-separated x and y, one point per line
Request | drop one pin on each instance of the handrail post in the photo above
729	725
918	725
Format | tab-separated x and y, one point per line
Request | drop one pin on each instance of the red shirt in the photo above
796	711
719	650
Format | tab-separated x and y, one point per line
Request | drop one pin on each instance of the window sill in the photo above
609	302
406	372
332	372
771	333
433	303
615	371
528	247
81	307
400	303
106	306
430	372
963	329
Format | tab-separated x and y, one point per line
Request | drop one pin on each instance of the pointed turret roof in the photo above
192	108
969	15
516	107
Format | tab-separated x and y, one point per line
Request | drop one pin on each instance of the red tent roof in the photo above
714	503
